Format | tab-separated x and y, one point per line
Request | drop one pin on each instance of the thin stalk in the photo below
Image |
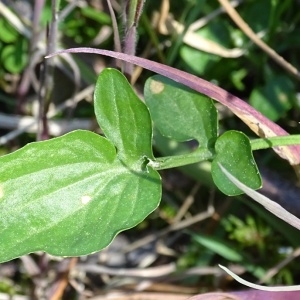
276	141
153	37
132	6
117	40
47	71
133	10
199	155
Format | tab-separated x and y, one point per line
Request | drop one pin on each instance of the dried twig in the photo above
274	270
68	103
173	227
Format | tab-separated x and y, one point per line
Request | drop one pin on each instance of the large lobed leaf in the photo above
71	195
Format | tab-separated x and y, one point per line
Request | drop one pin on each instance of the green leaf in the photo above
96	15
219	246
7	33
199	61
71	195
233	151
14	57
180	113
275	98
125	121
200	172
227	251
257	22
202	62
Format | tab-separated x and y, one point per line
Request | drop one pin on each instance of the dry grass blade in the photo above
14	20
261	287
198	42
29	125
270	205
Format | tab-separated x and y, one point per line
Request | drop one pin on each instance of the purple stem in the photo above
257	122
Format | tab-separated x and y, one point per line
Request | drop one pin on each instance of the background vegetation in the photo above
176	249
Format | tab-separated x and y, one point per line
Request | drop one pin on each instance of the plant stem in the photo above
199	155
134	9
168	162
264	143
47	72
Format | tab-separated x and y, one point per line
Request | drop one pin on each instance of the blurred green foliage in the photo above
253	76
13	49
